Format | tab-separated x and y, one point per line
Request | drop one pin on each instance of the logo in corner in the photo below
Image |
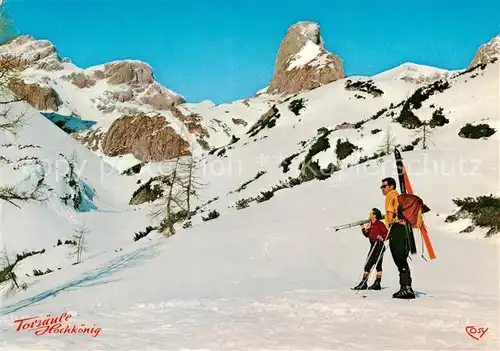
475	333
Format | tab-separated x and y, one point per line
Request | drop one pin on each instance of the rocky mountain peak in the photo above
129	81
40	54
303	63
487	52
128	72
138	77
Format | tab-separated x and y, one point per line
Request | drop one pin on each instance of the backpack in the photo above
411	207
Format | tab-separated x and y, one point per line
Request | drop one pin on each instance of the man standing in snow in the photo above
398	239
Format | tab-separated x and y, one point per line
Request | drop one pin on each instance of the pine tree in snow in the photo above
7	274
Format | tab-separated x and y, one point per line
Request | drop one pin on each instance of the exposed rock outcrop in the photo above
267	120
41	98
191	121
148	138
122	96
203	143
128	72
487	52
91	139
239	121
303	63
150	191
98	74
81	80
139	77
160	97
40	54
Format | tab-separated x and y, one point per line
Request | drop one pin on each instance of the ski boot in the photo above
406	292
375	285
362	285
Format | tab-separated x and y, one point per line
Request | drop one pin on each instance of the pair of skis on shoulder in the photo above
405	186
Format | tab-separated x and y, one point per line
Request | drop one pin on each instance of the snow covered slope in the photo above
273	275
42	150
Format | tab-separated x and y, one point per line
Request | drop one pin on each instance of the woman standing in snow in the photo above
376	231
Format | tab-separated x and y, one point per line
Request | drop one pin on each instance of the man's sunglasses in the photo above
384	186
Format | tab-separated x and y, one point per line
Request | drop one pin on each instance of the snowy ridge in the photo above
312	55
494	44
415	73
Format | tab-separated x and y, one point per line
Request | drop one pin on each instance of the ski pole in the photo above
367	258
375	265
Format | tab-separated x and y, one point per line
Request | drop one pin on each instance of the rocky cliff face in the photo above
148	138
24	52
487	52
40	97
303	63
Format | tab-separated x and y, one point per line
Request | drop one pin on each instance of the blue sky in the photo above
226	50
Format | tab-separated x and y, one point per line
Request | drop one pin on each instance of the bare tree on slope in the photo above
12	123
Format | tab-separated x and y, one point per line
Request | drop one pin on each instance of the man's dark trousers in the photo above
399	245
